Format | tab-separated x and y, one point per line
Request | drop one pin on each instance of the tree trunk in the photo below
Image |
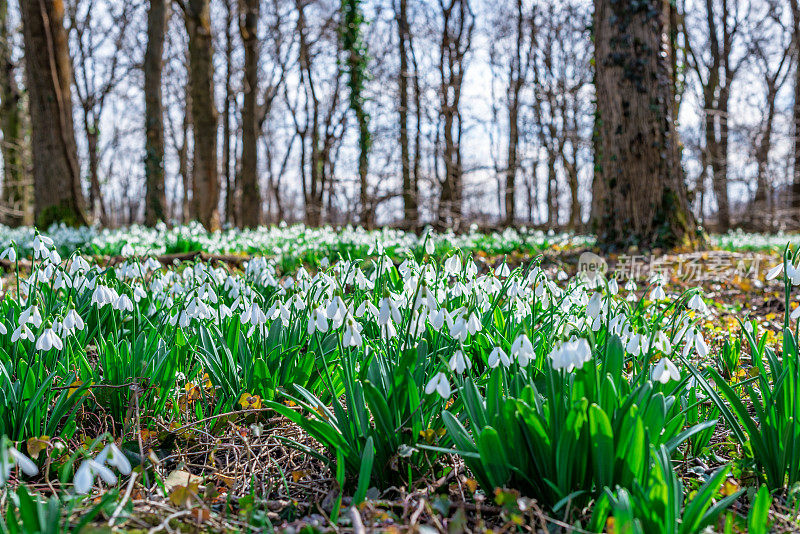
251	196
231	217
93	148
56	171
11	125
155	204
410	207
646	203
205	192
795	196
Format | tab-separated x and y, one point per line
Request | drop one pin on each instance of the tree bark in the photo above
645	202
59	197
231	215
795	196
251	195
205	193
11	114
410	207
155	206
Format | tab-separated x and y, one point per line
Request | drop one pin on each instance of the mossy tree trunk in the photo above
643	197
56	171
205	179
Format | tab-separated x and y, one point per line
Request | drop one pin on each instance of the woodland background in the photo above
398	112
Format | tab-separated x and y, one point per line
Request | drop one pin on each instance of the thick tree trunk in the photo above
155	205
59	197
251	195
795	196
96	206
645	202
11	113
231	215
410	207
205	193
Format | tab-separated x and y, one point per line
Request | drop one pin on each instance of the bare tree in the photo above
48	71
251	195
14	193
155	207
205	181
458	22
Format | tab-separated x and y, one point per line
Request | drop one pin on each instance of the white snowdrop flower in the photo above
317	322
438	319
459	363
658	293
700	345
3	330
522	350
774	272
103	295
10	253
793	273
139	293
594	306
498	356
452	265
502	270
474	324
662	342
11	457
571	354
696	303
54	257
84	476
22	332
630	285
352	333
664	371
440	385
388	309
41	245
32	316
112	455
48	340
367	306
613	287
429	246
123	303
458	330
634	345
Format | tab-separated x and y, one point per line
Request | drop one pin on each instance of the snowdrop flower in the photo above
459	363
11	457
613	287
630	285
438	319
498	356
41	244
103	295
317	322
502	270
662	342
440	385
571	354
112	455
594	306
84	476
352	333
123	303
32	316
664	371
793	273
522	350
49	340
658	293
774	272
452	265
388	309
696	303
429	246
10	253
22	332
795	314
474	324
